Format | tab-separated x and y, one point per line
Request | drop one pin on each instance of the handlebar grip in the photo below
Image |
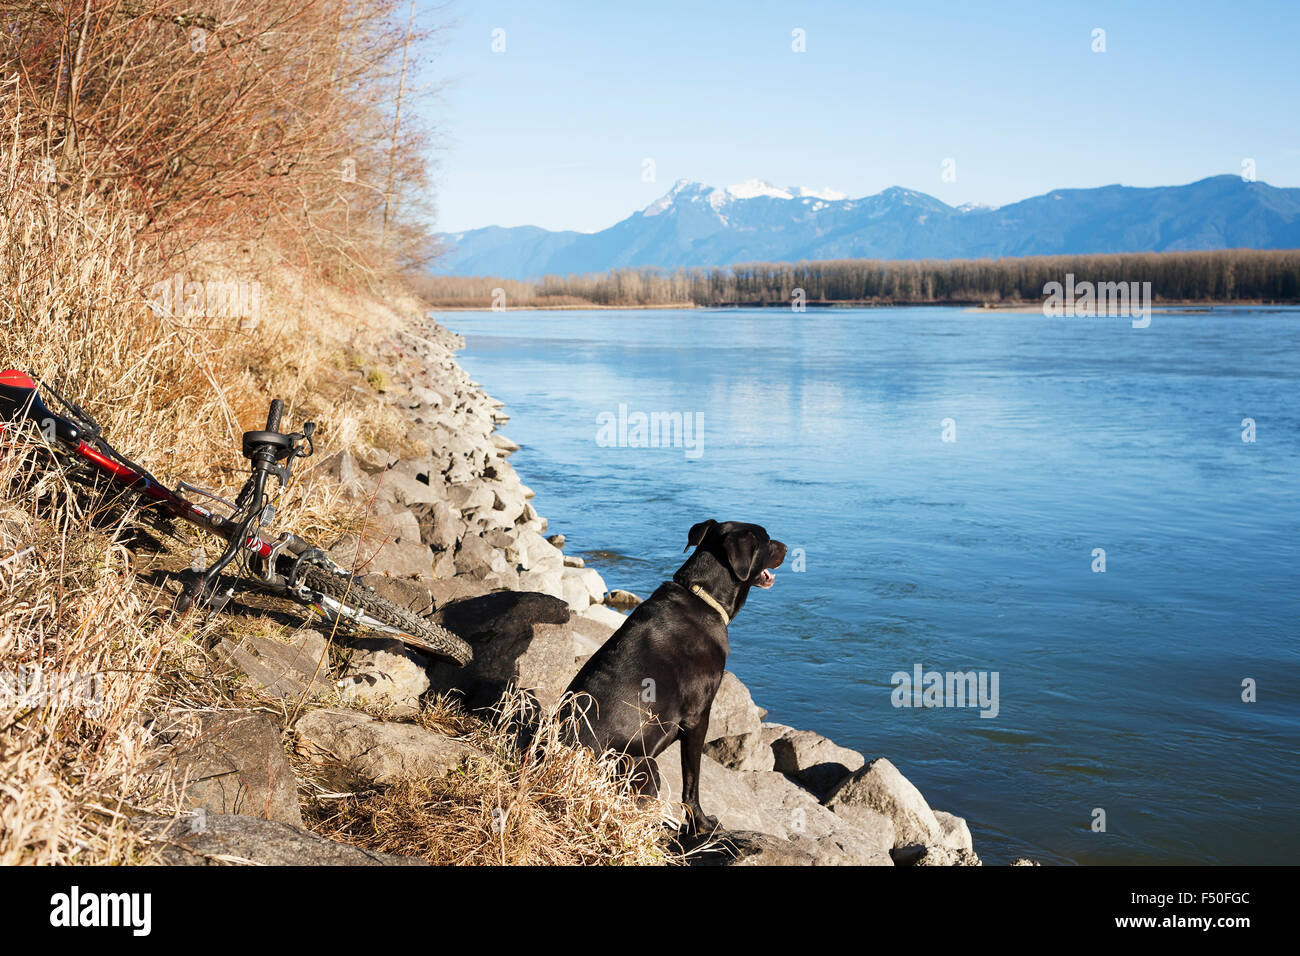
273	416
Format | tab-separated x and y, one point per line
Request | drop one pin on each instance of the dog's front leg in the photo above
692	739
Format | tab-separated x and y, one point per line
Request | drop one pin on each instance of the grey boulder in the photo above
879	788
394	546
956	832
818	763
234	762
293	667
750	848
770	803
381	672
378	751
735	734
520	639
622	600
224	839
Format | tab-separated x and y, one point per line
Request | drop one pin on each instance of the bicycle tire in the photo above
273	415
418	633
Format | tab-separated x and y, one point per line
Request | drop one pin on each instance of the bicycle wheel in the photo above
409	628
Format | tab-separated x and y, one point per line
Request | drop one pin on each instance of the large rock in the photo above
520	638
598	629
507	542
507	580
605	616
295	667
577	587
584	645
589	634
770	803
446	590
818	763
378	751
549	581
411	484
508	503
382	672
394	546
956	833
344	469
538	554
372	459
477	558
470	497
440	526
944	856
234	762
444	564
348	551
414	596
591	580
879	788
212	839
622	600
750	848
735	734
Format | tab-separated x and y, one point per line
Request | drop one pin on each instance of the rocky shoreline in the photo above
453	534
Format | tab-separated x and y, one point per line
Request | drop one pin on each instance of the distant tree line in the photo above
1232	275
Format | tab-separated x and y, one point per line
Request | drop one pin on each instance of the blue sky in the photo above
554	131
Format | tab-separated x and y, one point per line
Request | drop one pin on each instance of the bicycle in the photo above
287	566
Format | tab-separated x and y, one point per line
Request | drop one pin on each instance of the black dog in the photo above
654	680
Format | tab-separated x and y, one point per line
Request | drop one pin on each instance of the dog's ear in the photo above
697	534
744	553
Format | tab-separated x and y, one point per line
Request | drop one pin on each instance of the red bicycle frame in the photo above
19	395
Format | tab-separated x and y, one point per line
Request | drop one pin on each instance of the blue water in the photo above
1119	690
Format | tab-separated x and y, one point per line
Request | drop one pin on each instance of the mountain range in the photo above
698	225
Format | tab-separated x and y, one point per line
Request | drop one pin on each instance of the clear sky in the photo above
554	131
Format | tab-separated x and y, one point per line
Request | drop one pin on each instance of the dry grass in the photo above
234	119
80	654
545	803
173	392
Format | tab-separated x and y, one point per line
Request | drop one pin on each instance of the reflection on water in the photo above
1119	690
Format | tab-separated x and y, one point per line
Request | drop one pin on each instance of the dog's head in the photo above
744	550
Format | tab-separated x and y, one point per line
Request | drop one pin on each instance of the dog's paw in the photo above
699	825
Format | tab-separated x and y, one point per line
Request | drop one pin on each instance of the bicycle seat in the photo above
19	396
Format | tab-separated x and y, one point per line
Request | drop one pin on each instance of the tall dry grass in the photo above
173	391
540	802
80	658
235	119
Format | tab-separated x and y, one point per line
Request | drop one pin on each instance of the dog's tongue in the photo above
766	579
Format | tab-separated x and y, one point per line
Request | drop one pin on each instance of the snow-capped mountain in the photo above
687	191
755	221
